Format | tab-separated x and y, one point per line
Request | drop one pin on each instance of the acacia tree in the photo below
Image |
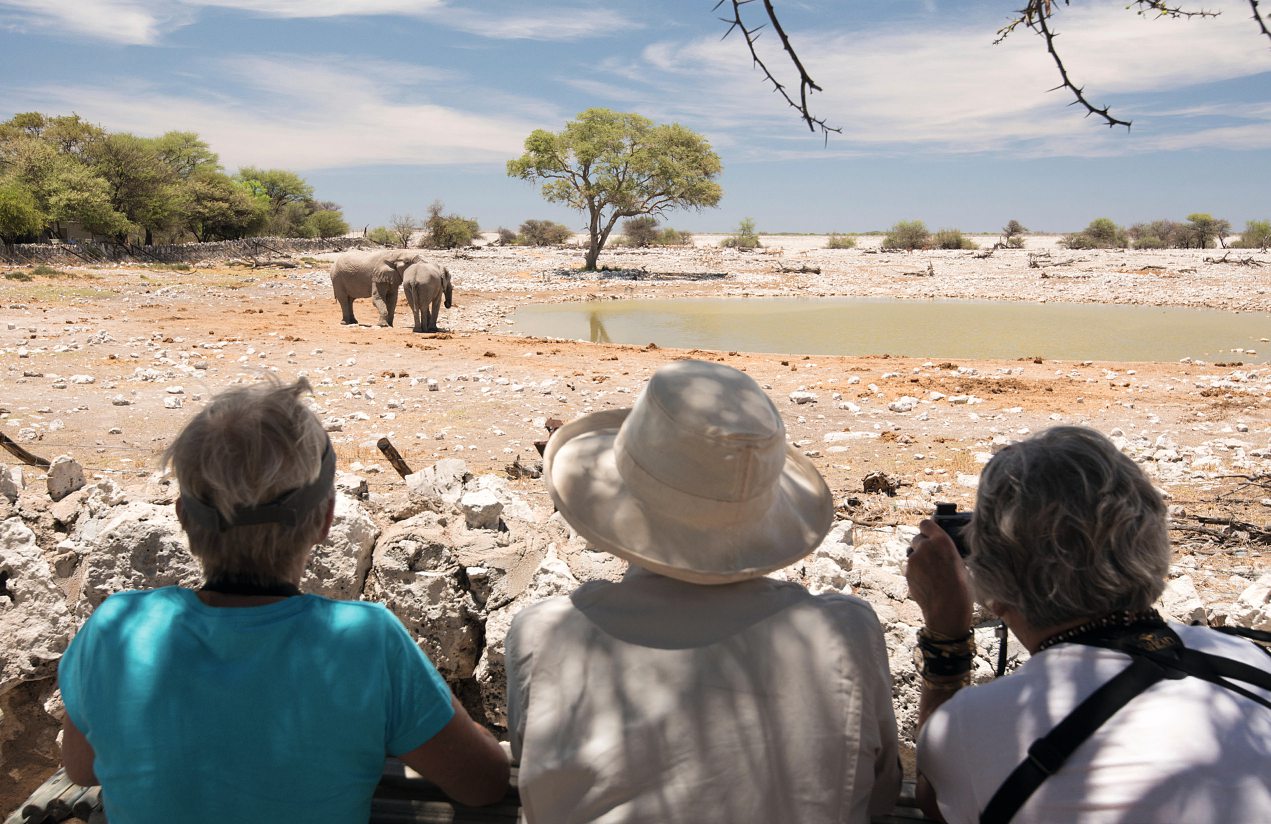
613	165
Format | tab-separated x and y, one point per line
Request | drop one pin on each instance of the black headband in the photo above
286	509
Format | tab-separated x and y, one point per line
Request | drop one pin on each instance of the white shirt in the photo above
655	700
1183	751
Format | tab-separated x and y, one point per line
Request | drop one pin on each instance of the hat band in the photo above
286	510
666	501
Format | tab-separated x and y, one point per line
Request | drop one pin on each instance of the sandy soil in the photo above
105	363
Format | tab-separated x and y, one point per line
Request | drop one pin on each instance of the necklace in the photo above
1112	624
237	586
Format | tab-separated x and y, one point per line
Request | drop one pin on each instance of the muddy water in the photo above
937	329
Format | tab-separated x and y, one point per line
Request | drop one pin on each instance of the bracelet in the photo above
945	684
944	657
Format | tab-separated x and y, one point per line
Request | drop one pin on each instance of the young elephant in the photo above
375	275
424	285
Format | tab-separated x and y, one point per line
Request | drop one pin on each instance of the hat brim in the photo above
583	480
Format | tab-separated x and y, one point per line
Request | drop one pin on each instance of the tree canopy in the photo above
58	170
613	165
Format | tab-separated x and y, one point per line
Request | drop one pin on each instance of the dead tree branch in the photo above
1257	15
1036	16
806	84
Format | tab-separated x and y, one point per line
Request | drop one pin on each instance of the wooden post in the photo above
394	457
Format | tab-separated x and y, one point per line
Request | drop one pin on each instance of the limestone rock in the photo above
443	480
1253	608
337	567
64	477
136	546
35	626
415	575
11	483
1180	601
481	509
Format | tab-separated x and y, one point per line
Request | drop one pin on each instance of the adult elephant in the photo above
425	284
375	275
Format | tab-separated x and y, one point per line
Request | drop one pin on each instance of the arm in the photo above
938	583
464	760
77	755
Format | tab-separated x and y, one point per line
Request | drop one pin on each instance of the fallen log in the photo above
21	454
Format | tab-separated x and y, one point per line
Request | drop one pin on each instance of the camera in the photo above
952	521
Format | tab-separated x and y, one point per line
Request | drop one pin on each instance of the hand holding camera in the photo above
936	573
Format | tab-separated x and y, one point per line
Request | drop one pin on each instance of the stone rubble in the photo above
455	557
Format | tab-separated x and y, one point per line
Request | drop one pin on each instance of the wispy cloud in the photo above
143	22
304	113
948	88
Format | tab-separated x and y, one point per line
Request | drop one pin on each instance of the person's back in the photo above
658	700
1184	750
281	712
697	690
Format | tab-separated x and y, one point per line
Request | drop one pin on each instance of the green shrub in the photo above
44	270
745	238
1160	234
544	233
381	235
674	237
326	223
15	275
1013	234
1257	235
641	231
1102	233
952	239
907	234
447	231
837	241
171	267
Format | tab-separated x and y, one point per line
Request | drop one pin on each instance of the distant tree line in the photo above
58	171
1201	231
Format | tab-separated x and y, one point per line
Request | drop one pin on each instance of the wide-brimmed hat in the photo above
696	481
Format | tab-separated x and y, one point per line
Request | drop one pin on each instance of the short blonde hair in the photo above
249	446
1067	528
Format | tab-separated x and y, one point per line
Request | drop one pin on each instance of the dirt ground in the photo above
104	363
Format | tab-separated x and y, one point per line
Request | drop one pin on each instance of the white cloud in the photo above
142	22
949	89
305	114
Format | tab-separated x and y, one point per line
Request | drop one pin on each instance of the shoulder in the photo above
1214	642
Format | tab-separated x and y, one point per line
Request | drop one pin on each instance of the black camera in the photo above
952	521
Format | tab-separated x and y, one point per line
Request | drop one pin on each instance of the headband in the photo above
285	509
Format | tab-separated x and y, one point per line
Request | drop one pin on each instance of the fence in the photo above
94	251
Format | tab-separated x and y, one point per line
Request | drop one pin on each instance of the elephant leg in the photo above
390	301
434	313
381	306
346	311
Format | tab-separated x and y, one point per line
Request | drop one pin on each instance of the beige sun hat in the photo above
694	482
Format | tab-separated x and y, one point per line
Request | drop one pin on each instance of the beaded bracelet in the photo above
944	657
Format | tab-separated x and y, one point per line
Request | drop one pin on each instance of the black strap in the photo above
1048	753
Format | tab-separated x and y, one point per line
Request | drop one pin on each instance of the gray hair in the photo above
1067	528
248	446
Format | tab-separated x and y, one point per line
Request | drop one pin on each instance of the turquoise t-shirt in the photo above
276	713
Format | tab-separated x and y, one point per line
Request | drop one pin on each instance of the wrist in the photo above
944	662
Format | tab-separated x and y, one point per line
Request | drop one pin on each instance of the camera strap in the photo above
1157	654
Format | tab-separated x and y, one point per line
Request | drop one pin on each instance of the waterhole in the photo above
935	329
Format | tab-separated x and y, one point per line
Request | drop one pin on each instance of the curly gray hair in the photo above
1067	528
248	446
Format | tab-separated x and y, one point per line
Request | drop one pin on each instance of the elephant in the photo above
375	274
425	284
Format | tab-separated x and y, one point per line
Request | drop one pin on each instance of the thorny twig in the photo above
1036	15
806	84
1257	15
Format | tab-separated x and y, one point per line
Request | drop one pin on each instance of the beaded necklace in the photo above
1114	623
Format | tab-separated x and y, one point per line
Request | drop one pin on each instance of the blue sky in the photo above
387	105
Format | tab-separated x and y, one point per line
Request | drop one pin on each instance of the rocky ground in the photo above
103	364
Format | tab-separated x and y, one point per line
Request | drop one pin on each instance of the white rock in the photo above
803	397
35	625
172	402
1180	601
481	509
1253	608
904	403
338	566
65	476
11	482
